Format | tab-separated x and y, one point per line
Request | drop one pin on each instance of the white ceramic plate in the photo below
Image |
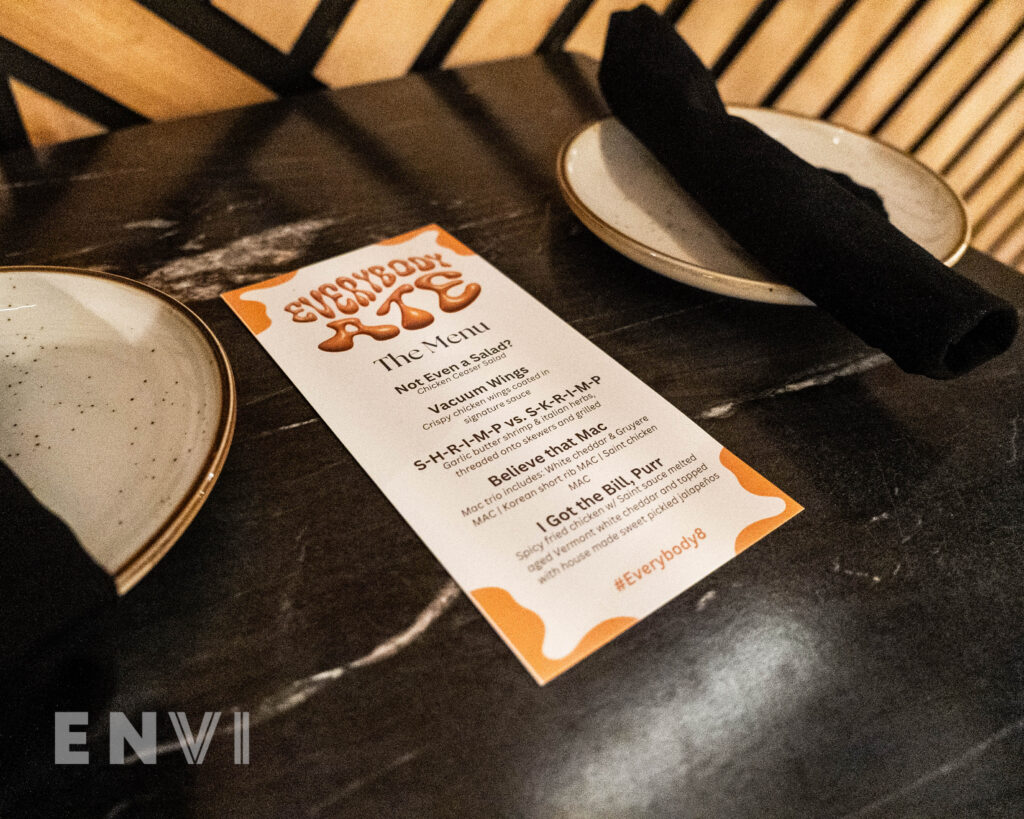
628	200
117	407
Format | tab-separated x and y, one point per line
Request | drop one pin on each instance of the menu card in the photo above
567	498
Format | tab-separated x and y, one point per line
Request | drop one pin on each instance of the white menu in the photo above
567	498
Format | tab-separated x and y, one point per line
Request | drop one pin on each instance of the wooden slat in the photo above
563	27
1011	249
911	50
909	87
995	209
710	25
675	10
983	127
967	87
129	54
226	37
1018	259
879	50
46	120
445	33
1005	211
503	28
997	82
739	41
772	48
138	59
280	23
980	197
50	80
318	34
822	35
380	39
1011	222
13	136
988	145
588	38
846	49
945	79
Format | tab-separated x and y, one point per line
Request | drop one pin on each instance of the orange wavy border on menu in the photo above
524	630
444	239
254	313
757	484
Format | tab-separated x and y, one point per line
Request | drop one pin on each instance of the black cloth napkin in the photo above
57	653
47	581
57	650
804	225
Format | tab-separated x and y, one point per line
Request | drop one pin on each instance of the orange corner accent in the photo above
524	630
757	484
252	313
444	239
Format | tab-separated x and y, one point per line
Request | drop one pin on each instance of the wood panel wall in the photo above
941	79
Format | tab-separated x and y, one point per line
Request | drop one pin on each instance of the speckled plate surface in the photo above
624	195
117	407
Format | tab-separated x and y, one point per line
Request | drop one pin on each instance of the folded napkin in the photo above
57	651
809	229
56	644
47	581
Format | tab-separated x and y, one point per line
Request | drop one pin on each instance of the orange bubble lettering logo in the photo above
387	291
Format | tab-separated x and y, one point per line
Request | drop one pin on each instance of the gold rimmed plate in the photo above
629	201
117	407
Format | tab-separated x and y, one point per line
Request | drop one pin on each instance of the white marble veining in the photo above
237	263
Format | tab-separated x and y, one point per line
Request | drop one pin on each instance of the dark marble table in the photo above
866	659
